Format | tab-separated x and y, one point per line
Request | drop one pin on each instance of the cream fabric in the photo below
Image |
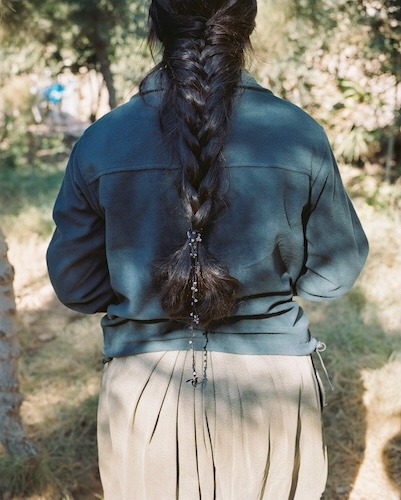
252	431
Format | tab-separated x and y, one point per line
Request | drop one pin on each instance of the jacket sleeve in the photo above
76	257
335	243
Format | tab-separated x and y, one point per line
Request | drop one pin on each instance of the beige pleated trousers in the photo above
252	431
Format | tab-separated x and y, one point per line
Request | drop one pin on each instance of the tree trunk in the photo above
12	434
108	76
393	132
100	47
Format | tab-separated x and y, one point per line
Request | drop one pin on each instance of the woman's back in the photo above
281	186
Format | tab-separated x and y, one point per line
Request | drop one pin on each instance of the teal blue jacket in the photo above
289	227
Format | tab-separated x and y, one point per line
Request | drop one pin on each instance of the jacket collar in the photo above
249	82
153	82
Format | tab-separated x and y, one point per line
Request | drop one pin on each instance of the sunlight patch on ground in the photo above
382	400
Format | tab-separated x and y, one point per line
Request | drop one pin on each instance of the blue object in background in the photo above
54	92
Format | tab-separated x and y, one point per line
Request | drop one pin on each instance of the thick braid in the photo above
190	102
203	42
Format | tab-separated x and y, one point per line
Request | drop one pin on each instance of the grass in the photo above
19	476
30	185
65	469
60	350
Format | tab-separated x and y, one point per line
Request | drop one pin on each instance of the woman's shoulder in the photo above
270	123
263	103
127	135
119	118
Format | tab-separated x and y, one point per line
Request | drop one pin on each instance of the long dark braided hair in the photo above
203	54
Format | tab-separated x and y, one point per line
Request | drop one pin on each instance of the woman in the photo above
192	216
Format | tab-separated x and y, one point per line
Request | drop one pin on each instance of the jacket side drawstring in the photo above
321	347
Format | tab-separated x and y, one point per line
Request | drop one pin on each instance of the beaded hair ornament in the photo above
194	239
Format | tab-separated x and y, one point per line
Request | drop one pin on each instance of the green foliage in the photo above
15	102
355	143
353	91
87	33
384	22
13	153
385	197
339	60
27	197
